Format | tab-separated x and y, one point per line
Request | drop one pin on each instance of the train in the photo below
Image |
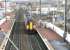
29	23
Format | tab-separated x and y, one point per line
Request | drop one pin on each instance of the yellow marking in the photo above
31	25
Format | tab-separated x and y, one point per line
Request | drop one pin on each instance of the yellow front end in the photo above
29	26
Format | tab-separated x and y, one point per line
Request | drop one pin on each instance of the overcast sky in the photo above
39	0
32	0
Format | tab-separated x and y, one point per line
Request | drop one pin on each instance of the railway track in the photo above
23	40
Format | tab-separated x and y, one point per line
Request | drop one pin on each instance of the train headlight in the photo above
27	27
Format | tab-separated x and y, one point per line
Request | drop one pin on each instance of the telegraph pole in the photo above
65	20
40	8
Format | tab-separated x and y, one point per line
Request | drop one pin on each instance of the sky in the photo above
36	0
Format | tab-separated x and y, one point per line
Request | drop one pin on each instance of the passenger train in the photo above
28	24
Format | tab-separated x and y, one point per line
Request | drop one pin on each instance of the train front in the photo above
29	24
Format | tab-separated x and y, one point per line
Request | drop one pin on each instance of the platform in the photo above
6	28
51	39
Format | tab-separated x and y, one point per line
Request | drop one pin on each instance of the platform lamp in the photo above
65	20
